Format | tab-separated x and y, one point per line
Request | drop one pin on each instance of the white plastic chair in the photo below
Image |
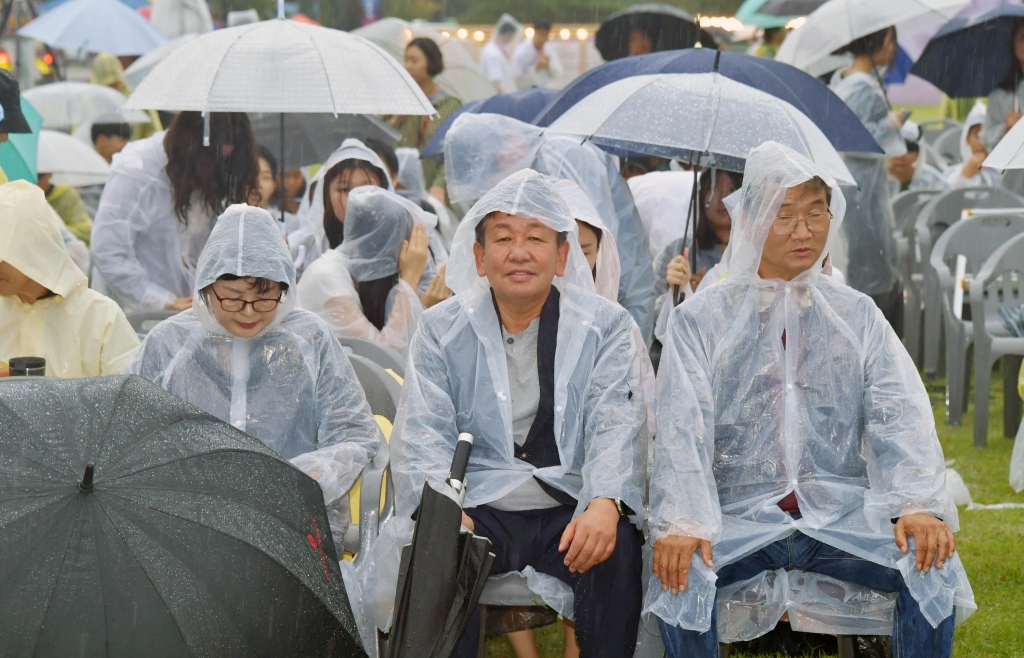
936	216
379	353
975	238
144	322
932	129
947	145
998	284
905	209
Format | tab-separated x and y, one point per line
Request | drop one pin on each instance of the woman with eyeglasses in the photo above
246	355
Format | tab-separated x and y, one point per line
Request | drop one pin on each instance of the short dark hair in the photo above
706	237
480	229
430	50
1013	75
869	44
542	26
386	153
122	130
818	184
261	286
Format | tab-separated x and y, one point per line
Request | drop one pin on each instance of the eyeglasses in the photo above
816	223
235	305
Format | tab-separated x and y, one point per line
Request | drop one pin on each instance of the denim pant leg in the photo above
682	643
912	635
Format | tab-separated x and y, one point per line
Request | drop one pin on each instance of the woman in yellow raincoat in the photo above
46	306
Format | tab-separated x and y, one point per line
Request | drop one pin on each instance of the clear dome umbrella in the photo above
67	105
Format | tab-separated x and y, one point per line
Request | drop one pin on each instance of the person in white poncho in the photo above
795	433
368	286
545	375
246	355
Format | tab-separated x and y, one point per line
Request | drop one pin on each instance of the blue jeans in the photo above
912	635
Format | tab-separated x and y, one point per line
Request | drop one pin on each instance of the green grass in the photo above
990	542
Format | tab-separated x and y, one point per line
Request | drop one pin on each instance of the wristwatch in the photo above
622	507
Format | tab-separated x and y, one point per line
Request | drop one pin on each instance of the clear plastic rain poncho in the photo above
78	331
954	173
482	149
496	56
837	414
144	253
457	381
1000	103
376	223
411	183
310	242
868	256
291	385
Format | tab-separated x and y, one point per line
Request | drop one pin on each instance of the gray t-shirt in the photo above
524	387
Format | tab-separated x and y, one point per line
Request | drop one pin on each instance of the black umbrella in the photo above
442	572
667	27
134	524
312	137
789	7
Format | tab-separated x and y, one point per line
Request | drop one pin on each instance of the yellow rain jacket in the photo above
69	205
78	331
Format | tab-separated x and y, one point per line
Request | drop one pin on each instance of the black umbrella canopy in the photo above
667	27
789	7
133	524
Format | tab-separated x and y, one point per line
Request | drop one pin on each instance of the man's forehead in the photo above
804	194
515	222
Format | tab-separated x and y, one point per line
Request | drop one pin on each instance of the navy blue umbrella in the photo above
970	56
842	127
523	105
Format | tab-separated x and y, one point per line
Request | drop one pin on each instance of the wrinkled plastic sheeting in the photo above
691	608
516	588
957	489
816	604
939	590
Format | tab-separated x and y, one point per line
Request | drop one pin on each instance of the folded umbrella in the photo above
66	105
97	26
668	28
70	160
839	22
134	524
970	56
523	105
18	154
442	572
804	92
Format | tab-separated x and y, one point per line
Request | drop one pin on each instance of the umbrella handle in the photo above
457	476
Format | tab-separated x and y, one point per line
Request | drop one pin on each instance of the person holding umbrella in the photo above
795	433
46	307
245	354
1004	103
545	375
160	203
368	287
871	266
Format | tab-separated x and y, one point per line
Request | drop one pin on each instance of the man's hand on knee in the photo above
935	541
672	556
590	537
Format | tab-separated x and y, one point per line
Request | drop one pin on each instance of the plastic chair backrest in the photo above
907	205
1006	260
382	355
948	146
932	129
382	390
975	238
932	156
944	210
144	321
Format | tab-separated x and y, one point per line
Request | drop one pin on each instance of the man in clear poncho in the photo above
545	375
794	432
246	355
368	287
482	149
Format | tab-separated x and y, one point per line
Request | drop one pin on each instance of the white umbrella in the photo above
97	26
1009	152
461	76
66	105
280	66
141	67
702	118
177	17
69	160
838	22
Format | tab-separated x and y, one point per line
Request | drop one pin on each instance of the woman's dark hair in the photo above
1013	76
386	154
869	44
333	226
706	236
122	130
435	62
373	295
260	285
275	198
218	179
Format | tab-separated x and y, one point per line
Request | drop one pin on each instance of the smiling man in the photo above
795	436
544	374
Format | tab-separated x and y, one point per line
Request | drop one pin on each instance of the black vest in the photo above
540	448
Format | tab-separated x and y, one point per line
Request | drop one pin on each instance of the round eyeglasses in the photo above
816	223
233	305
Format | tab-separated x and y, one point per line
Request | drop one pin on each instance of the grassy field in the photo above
991	542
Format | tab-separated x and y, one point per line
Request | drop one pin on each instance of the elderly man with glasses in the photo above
796	440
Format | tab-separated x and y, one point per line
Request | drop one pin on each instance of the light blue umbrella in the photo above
748	14
18	153
97	26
